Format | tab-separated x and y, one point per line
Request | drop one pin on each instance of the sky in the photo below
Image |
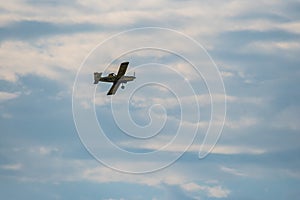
218	77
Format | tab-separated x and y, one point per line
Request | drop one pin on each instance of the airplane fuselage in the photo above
123	79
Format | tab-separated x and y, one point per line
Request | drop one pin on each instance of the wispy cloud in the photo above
212	191
5	96
13	167
232	171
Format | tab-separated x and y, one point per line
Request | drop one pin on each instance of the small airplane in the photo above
117	79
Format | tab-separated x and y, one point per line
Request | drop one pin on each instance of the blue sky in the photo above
256	46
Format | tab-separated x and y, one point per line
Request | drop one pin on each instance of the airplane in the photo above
117	79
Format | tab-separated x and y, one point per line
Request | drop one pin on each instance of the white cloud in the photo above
203	100
104	175
195	147
218	192
226	74
43	150
5	96
13	167
293	26
233	171
244	122
214	17
55	58
21	58
274	48
192	187
79	12
233	149
46	150
212	191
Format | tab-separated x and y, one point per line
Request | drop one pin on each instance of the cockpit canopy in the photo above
111	74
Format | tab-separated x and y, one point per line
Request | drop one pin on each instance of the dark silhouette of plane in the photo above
117	79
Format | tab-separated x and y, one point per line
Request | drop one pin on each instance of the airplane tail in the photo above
97	77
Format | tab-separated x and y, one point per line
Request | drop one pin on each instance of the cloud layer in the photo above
255	46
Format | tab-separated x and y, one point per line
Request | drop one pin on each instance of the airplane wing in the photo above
122	69
114	88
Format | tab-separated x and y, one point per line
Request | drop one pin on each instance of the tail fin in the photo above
97	77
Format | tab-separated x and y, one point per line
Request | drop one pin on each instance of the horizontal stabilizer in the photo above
97	77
